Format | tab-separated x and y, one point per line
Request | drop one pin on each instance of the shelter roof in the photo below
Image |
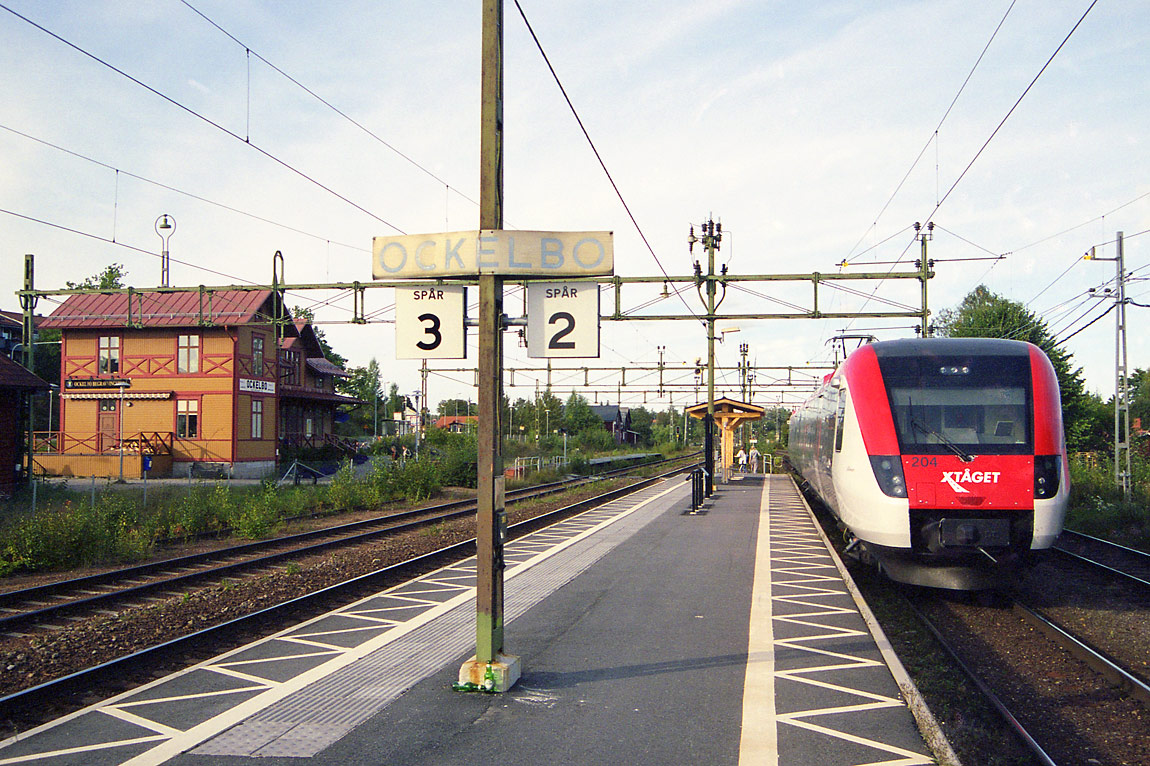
13	375
324	367
163	309
727	405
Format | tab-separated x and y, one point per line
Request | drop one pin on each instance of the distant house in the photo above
458	423
617	421
16	384
11	331
207	381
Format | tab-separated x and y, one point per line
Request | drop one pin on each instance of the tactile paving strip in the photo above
835	698
299	691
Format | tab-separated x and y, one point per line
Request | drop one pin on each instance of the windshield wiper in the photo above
962	455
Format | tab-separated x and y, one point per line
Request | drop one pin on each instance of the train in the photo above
943	460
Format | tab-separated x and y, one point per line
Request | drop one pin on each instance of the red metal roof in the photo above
162	309
13	375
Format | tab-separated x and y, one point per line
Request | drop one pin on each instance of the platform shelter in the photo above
729	415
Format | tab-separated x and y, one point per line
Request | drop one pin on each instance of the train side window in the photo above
840	421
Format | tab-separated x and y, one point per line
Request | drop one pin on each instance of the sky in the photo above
816	132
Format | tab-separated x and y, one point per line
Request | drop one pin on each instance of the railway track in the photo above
1130	565
1046	654
52	606
1065	661
137	661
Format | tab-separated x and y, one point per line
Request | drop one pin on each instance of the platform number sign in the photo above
562	319
430	322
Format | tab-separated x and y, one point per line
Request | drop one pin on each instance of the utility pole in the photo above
1122	472
711	239
1122	467
490	667
28	304
924	272
743	349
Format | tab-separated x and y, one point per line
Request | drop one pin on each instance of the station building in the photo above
209	382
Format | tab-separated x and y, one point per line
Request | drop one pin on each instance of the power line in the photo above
197	115
934	134
166	187
598	157
328	104
994	133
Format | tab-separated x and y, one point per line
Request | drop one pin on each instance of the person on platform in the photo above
742	457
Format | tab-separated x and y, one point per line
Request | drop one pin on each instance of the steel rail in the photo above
1141	557
340	535
90	678
1095	659
986	691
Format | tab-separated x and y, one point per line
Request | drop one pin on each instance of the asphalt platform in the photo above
647	635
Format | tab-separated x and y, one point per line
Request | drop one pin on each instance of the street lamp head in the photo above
165	225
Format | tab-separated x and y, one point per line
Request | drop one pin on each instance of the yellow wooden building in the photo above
207	383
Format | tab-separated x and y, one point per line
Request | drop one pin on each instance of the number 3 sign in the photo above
562	319
430	322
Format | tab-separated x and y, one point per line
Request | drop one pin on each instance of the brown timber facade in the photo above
197	386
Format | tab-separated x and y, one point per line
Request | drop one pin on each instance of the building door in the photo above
108	424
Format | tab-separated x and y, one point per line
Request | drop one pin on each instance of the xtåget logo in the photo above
969	477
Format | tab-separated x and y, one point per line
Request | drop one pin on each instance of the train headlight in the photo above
1047	474
888	471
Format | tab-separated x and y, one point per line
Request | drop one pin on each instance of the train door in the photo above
108	425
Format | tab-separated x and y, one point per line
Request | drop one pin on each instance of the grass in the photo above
1098	508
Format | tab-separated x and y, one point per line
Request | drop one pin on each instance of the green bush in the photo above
346	492
419	479
1098	508
73	535
258	515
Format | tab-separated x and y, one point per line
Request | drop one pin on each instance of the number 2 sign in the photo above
430	322
562	319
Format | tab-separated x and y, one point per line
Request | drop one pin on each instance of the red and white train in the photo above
943	459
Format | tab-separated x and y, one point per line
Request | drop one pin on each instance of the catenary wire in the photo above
327	103
283	163
599	157
188	194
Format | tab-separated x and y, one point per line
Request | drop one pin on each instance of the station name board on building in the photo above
78	383
257	386
494	251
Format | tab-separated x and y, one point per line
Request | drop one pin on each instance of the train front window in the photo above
976	406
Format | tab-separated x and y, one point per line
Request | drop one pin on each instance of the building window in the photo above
188	353
257	418
187	418
289	368
258	356
109	354
319	381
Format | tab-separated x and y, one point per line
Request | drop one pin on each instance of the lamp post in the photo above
165	227
52	389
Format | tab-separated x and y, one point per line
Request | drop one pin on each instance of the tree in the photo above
332	355
459	407
364	383
984	314
111	278
548	413
642	423
578	415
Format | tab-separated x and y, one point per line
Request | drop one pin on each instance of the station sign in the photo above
430	322
515	254
250	386
82	383
562	319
